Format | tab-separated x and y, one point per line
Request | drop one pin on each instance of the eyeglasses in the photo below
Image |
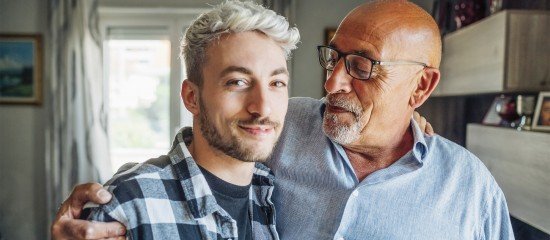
357	66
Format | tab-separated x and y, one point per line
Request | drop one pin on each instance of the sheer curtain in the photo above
76	135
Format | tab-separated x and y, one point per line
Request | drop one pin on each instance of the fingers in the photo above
422	124
429	129
416	117
88	192
82	229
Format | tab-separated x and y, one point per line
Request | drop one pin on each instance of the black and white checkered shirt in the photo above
169	198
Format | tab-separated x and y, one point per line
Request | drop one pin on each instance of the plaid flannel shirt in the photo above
169	198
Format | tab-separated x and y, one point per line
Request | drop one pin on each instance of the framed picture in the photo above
20	69
541	120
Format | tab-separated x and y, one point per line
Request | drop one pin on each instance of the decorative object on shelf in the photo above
492	116
506	109
467	12
541	121
525	105
20	68
511	111
495	6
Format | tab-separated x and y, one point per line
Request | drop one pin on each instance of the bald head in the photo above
399	30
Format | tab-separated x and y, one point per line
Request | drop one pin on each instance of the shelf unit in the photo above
520	163
506	52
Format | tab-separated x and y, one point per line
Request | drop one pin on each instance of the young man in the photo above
212	185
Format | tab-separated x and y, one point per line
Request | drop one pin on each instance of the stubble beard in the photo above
337	130
230	144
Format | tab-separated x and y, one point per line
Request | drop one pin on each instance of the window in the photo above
144	75
138	80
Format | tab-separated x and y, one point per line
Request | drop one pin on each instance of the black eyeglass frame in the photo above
373	62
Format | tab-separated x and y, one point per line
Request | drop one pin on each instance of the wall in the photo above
22	197
312	17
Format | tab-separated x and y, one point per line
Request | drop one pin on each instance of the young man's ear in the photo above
190	96
425	86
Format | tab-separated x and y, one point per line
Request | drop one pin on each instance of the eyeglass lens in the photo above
357	66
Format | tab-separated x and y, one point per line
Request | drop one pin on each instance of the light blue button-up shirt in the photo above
438	190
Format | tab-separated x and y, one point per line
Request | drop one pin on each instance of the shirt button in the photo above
355	193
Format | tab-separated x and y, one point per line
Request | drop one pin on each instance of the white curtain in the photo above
76	135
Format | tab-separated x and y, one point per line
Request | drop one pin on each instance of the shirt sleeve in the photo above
496	220
96	213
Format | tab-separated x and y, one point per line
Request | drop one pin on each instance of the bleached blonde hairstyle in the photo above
232	17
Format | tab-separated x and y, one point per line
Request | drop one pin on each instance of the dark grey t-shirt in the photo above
234	200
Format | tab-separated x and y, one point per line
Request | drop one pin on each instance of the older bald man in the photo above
356	166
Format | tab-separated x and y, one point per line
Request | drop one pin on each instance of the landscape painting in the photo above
20	69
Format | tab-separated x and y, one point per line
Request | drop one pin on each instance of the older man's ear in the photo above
425	86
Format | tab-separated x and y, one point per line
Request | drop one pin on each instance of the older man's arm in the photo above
67	224
496	223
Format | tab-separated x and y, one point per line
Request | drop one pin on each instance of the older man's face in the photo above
358	108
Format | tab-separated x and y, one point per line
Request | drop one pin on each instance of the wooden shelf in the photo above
520	163
506	52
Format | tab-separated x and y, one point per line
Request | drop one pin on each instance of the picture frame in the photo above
541	119
21	69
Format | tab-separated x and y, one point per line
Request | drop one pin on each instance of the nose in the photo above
260	102
339	81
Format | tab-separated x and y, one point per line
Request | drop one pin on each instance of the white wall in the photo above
312	17
22	187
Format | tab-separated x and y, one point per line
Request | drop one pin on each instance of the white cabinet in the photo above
506	52
520	163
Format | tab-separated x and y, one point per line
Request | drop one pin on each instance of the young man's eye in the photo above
279	84
236	82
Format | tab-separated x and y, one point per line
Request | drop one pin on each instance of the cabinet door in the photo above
528	60
474	58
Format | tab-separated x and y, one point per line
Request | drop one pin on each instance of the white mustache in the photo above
335	101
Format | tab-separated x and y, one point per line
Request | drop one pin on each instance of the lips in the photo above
257	130
335	109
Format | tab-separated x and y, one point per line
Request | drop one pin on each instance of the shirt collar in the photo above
420	148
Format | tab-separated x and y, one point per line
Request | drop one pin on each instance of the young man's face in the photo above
244	97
